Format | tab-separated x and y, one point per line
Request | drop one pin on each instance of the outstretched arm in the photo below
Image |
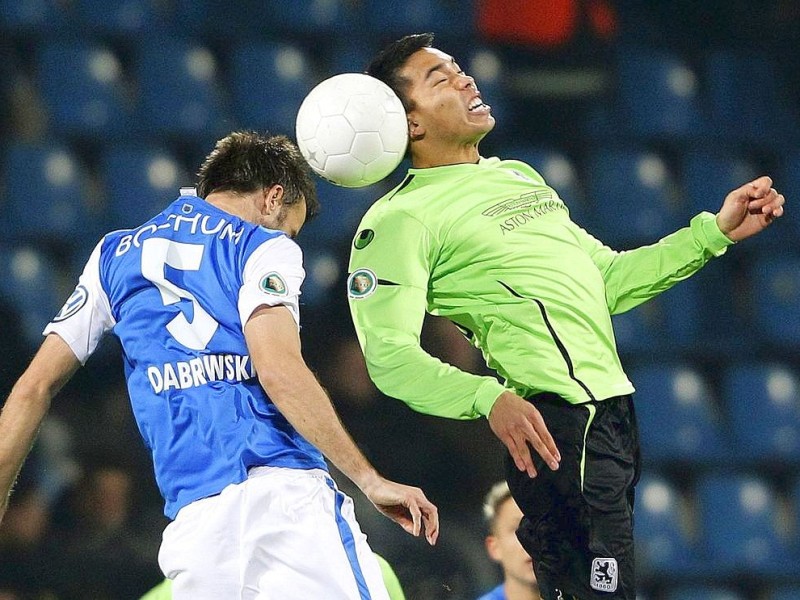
27	405
635	276
274	345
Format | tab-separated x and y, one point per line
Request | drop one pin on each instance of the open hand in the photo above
406	506
518	423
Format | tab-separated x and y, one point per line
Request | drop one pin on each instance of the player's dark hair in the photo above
387	63
246	161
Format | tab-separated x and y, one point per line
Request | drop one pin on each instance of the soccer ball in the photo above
352	130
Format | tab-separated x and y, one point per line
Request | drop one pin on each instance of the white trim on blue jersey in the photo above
86	315
177	292
281	258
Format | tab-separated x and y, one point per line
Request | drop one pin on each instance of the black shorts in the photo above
578	523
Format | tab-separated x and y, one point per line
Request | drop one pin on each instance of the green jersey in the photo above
491	247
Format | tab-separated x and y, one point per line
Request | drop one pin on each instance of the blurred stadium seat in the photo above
763	401
139	182
776	289
45	189
794	500
632	195
82	89
661	529
309	16
316	20
180	91
269	82
347	58
739	525
34	18
707	176
701	592
119	17
787	181
452	18
325	269
342	209
760	114
658	95
29	282
638	331
678	419
785	593
670	322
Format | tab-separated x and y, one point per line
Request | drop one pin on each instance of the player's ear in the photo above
415	130
273	199
493	548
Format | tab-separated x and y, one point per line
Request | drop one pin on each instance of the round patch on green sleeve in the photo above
361	283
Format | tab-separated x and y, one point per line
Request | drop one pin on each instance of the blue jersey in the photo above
497	593
177	292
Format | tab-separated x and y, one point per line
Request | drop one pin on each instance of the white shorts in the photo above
284	534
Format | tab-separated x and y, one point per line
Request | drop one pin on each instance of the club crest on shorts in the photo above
604	575
273	284
361	283
74	303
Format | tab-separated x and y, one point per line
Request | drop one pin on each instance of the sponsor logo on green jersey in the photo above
363	239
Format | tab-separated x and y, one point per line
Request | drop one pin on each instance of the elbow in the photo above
275	383
380	366
31	391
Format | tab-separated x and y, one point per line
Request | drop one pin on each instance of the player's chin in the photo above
484	123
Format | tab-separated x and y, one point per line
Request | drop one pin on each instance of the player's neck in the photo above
436	155
239	205
520	590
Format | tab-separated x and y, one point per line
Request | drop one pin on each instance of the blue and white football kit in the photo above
256	514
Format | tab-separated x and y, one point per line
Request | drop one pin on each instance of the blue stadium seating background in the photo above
107	107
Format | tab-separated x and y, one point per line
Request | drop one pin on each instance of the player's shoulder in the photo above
407	200
261	240
521	169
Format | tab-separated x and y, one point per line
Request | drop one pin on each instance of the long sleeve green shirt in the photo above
491	247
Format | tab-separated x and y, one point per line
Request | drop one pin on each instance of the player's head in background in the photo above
446	116
502	519
251	165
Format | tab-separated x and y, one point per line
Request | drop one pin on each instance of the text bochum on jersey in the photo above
197	371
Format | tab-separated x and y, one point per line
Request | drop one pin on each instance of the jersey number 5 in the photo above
158	252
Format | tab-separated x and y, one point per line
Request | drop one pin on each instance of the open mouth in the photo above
478	106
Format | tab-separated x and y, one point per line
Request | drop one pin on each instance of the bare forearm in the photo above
27	405
304	403
19	423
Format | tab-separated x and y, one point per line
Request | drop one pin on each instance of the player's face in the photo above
445	102
504	547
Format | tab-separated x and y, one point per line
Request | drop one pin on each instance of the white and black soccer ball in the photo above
352	130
